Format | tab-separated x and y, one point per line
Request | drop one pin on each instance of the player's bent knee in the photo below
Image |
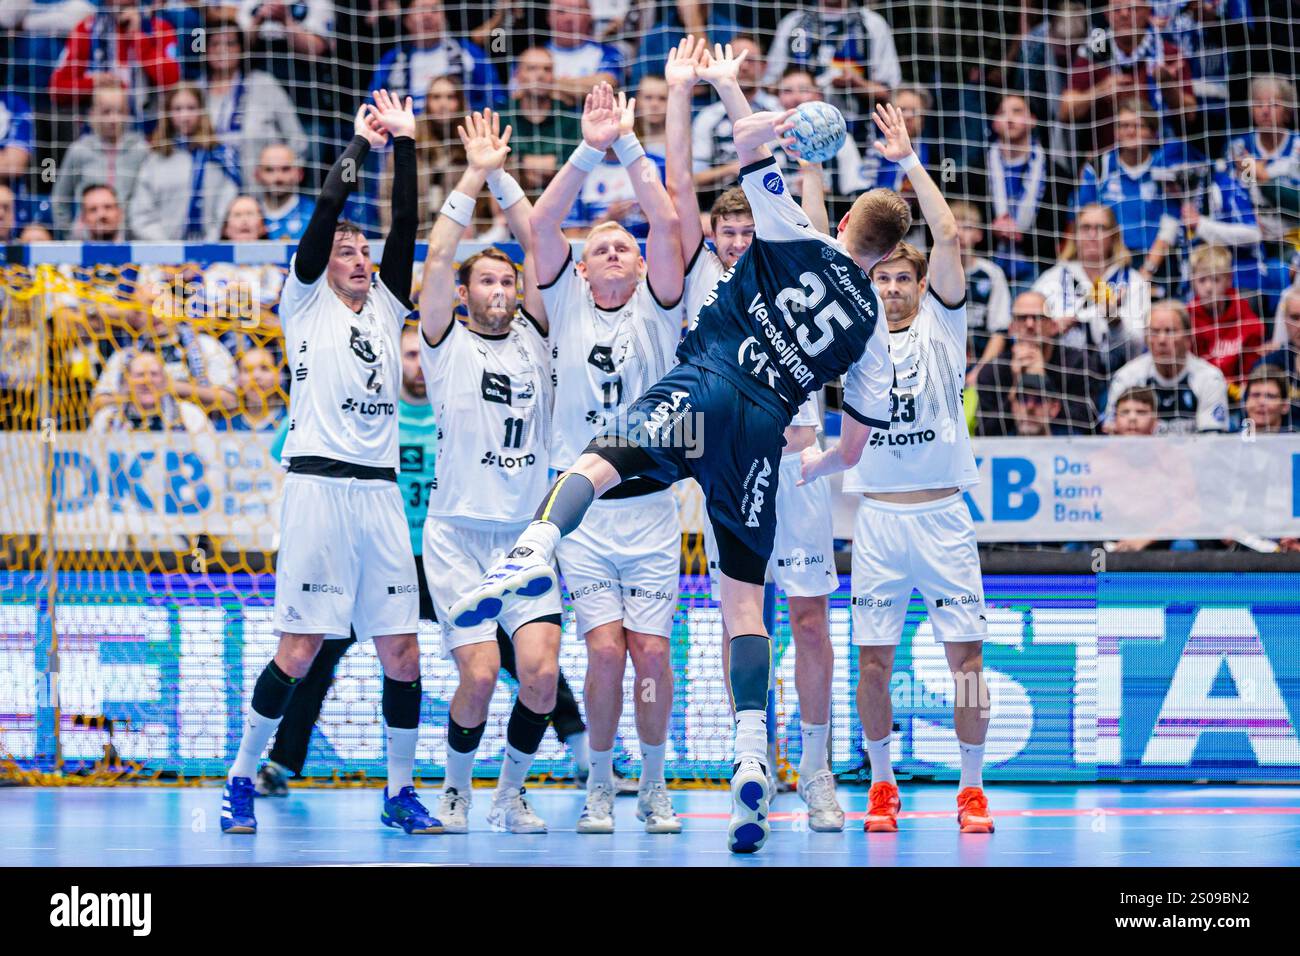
651	654
606	645
965	656
296	652
875	664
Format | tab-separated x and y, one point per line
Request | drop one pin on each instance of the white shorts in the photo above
929	546
623	564
803	555
456	555
345	559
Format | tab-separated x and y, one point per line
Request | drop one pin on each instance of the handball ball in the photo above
818	132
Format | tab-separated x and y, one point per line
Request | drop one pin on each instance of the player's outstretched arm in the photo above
680	74
599	130
813	197
721	69
946	274
398	119
318	238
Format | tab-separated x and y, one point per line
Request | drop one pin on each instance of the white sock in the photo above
813	756
460	770
751	735
602	767
577	745
401	757
258	731
972	766
541	537
652	763
514	769
881	769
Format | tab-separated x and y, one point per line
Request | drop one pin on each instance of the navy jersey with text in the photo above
794	313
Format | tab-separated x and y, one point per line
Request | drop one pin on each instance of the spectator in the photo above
1042	71
1191	394
292	42
35	232
1022	193
1286	352
17	143
101	218
1267	162
1129	60
1035	410
988	299
540	124
118	41
1267	404
1212	36
1225	329
261	400
147	404
244	221
579	61
1096	296
851	47
189	179
651	115
440	156
249	110
427	52
1036	350
8	222
1135	412
40	31
286	211
110	154
711	146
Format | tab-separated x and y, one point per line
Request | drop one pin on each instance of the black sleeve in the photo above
399	247
317	240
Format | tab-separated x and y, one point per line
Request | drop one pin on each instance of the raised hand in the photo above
683	59
721	66
626	114
896	143
486	147
759	129
393	115
601	117
367	126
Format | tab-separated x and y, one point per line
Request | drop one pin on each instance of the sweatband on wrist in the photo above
628	149
505	190
459	208
909	162
587	157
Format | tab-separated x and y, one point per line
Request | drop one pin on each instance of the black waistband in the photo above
633	488
332	468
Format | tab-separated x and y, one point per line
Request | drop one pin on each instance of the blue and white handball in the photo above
818	132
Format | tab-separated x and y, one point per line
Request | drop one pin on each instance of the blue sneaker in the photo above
520	575
406	811
237	806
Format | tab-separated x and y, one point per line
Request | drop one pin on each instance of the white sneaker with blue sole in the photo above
521	575
750	798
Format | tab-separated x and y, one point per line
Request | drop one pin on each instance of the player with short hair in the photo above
913	527
615	320
345	557
803	563
797	310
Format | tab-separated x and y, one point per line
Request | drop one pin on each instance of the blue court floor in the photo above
1055	825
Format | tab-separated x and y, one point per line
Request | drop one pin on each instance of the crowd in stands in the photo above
1126	174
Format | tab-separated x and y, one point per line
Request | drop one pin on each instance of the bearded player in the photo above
796	311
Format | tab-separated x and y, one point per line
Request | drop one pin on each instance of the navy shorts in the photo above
693	423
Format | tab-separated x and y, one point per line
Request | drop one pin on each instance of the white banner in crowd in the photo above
151	486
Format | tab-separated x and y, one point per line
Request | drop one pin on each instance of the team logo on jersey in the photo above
773	183
496	387
412	458
828	253
758	495
361	346
602	356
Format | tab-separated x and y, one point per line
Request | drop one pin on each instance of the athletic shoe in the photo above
511	813
882	808
973	811
824	812
237	806
654	808
749	806
519	575
598	811
407	812
453	810
624	786
272	780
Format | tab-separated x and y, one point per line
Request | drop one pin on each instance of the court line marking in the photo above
1063	812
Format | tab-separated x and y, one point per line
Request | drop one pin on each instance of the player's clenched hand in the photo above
601	117
810	460
683	60
759	129
486	147
720	66
367	126
394	116
896	143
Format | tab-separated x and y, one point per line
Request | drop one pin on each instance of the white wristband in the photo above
505	190
909	162
587	157
459	208
628	149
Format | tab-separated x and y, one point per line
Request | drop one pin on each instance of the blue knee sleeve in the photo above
750	660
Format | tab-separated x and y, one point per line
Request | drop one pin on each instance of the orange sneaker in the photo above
882	809
973	811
